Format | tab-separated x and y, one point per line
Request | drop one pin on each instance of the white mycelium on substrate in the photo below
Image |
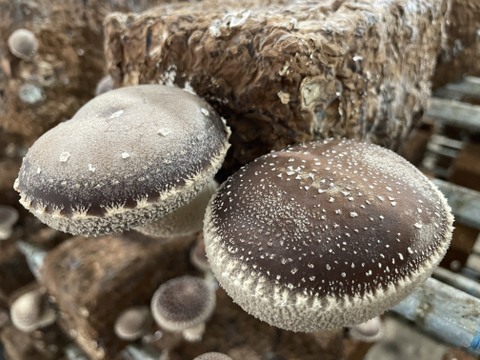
183	305
109	168
325	235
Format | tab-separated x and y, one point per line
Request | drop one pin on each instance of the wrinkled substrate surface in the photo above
460	56
36	95
283	72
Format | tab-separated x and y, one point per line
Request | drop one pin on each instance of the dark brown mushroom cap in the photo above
213	356
127	157
182	303
325	235
23	44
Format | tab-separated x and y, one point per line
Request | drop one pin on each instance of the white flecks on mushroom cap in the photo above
186	220
290	256
133	323
23	44
182	303
108	169
31	311
8	218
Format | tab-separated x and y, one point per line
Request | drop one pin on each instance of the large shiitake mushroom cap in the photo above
325	235
127	157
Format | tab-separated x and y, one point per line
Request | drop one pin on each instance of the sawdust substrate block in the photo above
283	72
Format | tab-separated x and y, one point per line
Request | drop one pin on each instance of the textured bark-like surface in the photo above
94	279
284	72
37	94
460	57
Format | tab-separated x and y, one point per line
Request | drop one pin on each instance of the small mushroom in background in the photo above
186	220
32	310
183	304
213	356
8	218
34	255
73	352
23	44
368	331
133	323
198	255
105	84
144	352
127	157
325	235
198	258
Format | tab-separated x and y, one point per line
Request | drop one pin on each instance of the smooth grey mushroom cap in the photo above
325	235
8	218
186	220
31	311
368	331
133	322
23	44
127	157
213	356
105	84
182	303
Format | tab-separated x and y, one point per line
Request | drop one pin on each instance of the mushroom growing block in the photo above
127	157
287	71
93	280
325	235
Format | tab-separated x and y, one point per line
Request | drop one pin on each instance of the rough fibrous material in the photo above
460	56
92	280
325	235
282	72
127	157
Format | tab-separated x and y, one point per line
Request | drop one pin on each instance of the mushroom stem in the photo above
194	333
368	331
34	255
445	312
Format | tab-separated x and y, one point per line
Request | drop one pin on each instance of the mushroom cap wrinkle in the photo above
127	157
325	235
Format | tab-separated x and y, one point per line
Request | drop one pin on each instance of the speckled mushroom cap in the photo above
325	235
213	356
182	303
128	156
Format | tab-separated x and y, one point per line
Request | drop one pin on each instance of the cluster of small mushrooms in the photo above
321	235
